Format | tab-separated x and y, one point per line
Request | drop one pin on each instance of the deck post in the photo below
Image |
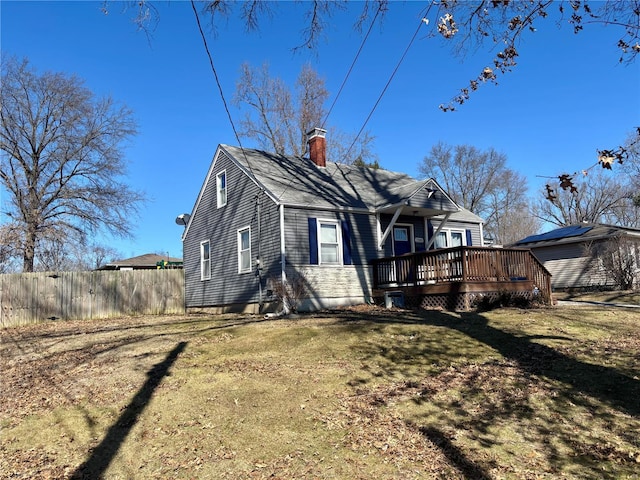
461	270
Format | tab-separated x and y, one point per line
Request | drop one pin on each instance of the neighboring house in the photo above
148	261
261	218
586	255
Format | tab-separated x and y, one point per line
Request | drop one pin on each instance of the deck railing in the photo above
461	264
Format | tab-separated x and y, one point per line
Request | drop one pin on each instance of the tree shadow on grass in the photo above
456	456
101	456
604	383
488	394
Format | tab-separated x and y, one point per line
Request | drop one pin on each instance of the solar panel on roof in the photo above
564	232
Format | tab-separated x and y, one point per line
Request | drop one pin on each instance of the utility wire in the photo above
215	74
388	82
422	20
355	59
364	40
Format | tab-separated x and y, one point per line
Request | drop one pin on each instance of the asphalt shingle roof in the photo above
297	181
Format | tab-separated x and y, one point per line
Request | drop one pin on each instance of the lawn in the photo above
358	393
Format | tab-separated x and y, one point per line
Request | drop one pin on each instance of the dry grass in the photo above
628	297
354	394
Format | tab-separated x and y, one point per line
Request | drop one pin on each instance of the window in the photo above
329	242
401	234
450	238
221	188
205	260
456	239
441	240
244	250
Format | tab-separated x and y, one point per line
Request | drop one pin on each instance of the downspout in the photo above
283	273
259	259
283	262
283	257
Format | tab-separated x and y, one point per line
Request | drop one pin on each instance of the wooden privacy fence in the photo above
35	297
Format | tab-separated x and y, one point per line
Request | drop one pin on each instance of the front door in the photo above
401	239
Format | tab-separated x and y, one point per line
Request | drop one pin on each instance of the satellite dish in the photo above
183	219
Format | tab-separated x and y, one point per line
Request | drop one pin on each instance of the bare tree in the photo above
466	26
96	255
62	160
466	173
9	241
463	25
597	198
58	255
631	166
481	182
279	120
508	208
346	148
270	100
618	257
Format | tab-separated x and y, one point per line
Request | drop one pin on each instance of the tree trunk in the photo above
29	250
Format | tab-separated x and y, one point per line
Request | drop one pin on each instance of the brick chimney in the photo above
317	146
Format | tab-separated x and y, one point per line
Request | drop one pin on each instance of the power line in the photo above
423	19
364	40
215	74
395	70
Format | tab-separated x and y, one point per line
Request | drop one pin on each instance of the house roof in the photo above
297	181
148	260
463	215
579	232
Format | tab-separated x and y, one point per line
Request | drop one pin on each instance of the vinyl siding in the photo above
570	267
362	227
330	285
418	231
437	201
220	226
457	225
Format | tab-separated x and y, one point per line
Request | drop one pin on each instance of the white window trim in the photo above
219	201
338	226
240	251
205	275
449	231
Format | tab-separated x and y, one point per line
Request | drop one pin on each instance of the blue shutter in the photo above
313	241
430	233
469	242
346	243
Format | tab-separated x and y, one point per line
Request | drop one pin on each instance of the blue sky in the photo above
567	97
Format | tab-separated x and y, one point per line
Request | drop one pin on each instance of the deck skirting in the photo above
454	296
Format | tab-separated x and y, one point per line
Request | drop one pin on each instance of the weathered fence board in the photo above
35	297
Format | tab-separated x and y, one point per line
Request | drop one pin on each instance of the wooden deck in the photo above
453	278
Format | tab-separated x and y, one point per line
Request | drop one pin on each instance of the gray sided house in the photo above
586	255
261	219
